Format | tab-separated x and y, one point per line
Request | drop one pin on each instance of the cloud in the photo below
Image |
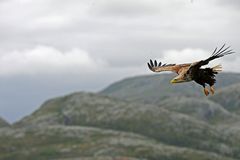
41	14
232	3
187	55
124	8
46	60
28	77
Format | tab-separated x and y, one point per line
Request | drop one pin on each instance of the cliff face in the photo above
137	118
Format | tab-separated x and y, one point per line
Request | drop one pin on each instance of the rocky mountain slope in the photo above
155	122
141	118
201	109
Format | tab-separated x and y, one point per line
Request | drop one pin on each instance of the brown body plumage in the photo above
193	71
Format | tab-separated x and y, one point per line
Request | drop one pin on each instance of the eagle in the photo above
194	71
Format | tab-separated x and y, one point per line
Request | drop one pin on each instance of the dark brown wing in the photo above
216	54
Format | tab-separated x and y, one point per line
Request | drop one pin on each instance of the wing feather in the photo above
217	53
158	67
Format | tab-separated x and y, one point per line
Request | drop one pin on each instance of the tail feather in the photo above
217	68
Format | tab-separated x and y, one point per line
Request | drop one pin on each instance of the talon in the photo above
206	92
212	90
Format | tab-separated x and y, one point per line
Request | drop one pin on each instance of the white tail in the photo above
217	68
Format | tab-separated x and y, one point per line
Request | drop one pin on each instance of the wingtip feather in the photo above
155	63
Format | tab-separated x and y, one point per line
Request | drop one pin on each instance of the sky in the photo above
50	48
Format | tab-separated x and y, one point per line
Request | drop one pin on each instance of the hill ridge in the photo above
3	123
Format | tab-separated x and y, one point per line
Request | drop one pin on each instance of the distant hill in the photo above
3	123
186	98
155	88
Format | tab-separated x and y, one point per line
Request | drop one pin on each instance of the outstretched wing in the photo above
217	53
159	67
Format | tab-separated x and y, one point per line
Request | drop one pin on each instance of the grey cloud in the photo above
233	3
124	8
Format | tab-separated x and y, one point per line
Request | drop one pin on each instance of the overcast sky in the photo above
54	47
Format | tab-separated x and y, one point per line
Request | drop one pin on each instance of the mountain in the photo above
3	123
153	89
168	127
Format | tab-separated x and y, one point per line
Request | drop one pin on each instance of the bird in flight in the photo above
193	71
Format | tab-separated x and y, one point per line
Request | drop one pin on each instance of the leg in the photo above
212	89
211	83
206	92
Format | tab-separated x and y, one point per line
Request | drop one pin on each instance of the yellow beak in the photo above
173	81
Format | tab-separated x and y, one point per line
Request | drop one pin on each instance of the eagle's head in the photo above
181	79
